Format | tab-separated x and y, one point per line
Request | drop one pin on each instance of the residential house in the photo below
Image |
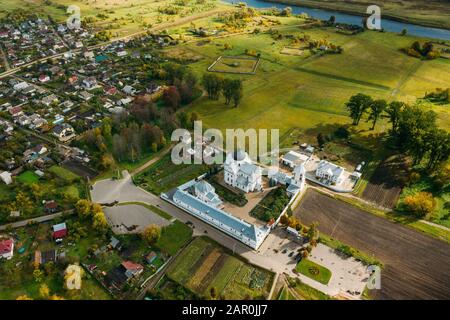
149	258
64	132
59	231
44	78
15	111
6	177
329	173
86	95
50	206
48	100
6	248
132	269
293	159
45	257
89	83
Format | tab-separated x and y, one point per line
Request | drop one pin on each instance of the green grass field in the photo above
165	175
310	92
307	292
314	271
227	64
28	177
173	237
63	174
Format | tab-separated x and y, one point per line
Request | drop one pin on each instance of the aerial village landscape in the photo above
93	206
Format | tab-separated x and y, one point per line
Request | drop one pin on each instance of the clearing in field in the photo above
181	54
238	65
205	265
292	51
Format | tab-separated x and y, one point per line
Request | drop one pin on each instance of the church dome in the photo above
239	155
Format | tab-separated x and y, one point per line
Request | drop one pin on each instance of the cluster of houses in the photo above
59	232
29	40
322	171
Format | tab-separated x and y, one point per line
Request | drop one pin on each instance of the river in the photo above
386	24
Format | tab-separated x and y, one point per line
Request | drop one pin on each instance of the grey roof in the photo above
249	168
249	230
59	227
204	187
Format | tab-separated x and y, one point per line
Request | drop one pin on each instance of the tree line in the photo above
414	129
231	89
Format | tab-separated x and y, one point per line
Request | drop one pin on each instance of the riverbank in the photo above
441	17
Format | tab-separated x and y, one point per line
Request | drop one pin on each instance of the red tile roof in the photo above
60	234
129	265
6	246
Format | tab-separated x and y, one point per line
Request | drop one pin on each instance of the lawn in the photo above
28	177
239	65
310	92
204	265
63	174
173	237
285	294
164	175
313	271
307	292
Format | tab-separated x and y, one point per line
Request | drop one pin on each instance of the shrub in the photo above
420	204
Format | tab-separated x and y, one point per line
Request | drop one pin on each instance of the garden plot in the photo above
204	265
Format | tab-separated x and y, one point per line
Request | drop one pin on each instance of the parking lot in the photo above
348	275
132	218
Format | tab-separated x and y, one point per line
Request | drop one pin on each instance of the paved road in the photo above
40	219
416	265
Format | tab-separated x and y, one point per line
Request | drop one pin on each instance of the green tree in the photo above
237	92
438	146
377	107
420	204
83	208
99	222
357	106
152	233
213	85
394	110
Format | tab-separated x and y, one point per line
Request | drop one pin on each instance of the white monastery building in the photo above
241	173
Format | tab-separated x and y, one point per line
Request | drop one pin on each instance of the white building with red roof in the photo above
6	248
